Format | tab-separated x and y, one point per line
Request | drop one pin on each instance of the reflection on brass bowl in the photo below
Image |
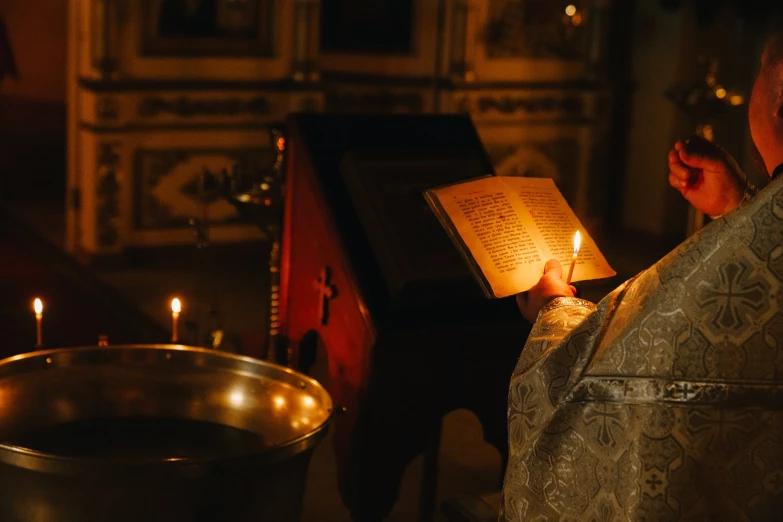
163	432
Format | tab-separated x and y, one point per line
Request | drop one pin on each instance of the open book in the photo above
508	227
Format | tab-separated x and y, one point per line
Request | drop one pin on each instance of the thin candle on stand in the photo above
176	308
38	307
577	244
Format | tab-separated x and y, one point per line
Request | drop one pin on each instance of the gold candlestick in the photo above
176	308
577	244
38	307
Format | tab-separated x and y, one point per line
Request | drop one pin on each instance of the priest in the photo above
665	400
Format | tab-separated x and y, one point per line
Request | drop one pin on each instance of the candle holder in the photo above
704	101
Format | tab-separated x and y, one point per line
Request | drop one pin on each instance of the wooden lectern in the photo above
368	273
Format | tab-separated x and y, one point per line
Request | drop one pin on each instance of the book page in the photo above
513	225
553	221
493	228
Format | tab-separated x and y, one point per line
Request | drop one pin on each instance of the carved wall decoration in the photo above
107	109
206	27
523	103
182	106
167	184
166	89
107	194
462	104
383	101
306	31
309	104
103	42
178	78
459	68
571	105
535	29
558	160
362	27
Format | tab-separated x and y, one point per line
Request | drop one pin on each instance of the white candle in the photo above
577	244
176	308
38	307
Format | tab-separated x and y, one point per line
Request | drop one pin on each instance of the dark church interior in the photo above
263	163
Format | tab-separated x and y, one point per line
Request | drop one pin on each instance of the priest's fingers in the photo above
674	160
677	182
573	289
553	268
702	155
681	171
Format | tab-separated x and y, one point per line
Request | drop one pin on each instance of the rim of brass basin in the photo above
44	388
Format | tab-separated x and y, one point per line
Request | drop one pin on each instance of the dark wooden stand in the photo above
369	274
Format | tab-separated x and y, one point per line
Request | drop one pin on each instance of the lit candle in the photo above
38	307
176	308
577	243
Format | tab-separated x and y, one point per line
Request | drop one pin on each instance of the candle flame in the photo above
577	242
176	306
38	306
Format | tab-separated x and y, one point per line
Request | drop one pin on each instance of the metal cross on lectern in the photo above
326	291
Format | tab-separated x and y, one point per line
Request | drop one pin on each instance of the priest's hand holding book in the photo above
508	229
551	285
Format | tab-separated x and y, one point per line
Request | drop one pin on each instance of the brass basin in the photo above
155	432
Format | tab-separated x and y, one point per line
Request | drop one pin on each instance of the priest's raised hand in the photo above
706	175
551	285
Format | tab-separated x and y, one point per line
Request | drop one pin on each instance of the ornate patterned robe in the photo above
665	401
